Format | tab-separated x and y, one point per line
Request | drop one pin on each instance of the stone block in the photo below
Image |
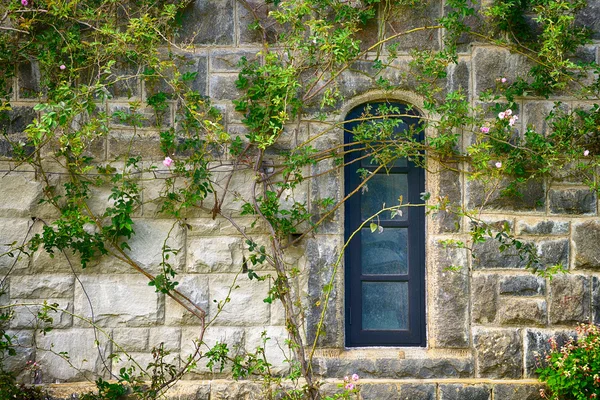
588	17
120	145
586	237
523	285
228	60
537	346
189	390
490	63
378	391
248	13
245	307
13	230
208	22
119	300
233	337
147	244
130	339
572	201
569	299
28	77
526	227
450	187
26	317
169	337
522	311
16	119
595	300
484	298
487	255
276	349
535	115
20	195
222	87
215	254
450	310
183	62
41	286
88	359
321	254
406	18
125	76
532	198
417	391
457	391
237	390
517	391
125	116
326	184
24	346
499	353
195	287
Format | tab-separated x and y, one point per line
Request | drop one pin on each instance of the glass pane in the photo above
384	253
384	189
385	305
369	162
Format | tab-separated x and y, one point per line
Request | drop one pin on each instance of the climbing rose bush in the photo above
573	370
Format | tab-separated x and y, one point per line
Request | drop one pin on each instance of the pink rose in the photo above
355	377
498	164
349	386
62	67
167	162
501	115
484	129
25	2
503	80
586	153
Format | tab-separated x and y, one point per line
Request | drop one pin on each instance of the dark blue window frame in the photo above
414	334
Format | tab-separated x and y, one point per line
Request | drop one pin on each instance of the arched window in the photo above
385	269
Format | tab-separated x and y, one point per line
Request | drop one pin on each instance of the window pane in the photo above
384	253
385	305
384	189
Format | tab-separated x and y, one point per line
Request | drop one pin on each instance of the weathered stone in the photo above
412	17
130	339
321	255
484	298
185	63
24	346
416	392
123	116
378	391
490	63
248	12
522	311
588	17
228	60
147	244
535	115
326	184
449	187
532	198
147	144
537	346
246	293
169	337
208	22
499	353
189	390
88	359
232	337
523	285
524	227
277	352
553	252
458	391
487	255
450	313
26	317
16	119
118	300
237	390
126	80
29	80
517	392
569	299
41	286
393	368
195	287
586	237
572	201
595	299
215	254
222	87
19	195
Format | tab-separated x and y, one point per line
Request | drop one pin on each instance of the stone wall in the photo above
486	324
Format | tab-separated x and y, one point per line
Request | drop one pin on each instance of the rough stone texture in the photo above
525	227
222	87
586	237
523	285
227	60
369	391
464	392
29	80
528	312
484	297
24	347
595	299
245	292
488	256
130	339
237	390
422	16
234	338
450	312
195	287
19	195
276	349
499	353
247	17
532	197
572	201
169	337
417	392
39	287
13	230
215	254
371	368
208	22
569	299
517	392
450	187
27	316
87	358
537	347
491	63
124	300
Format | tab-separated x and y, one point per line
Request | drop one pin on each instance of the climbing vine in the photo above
88	52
